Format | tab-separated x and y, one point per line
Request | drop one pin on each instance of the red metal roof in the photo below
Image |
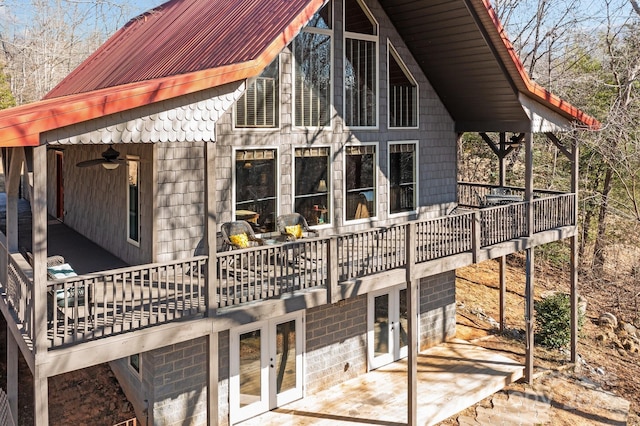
218	42
185	46
181	37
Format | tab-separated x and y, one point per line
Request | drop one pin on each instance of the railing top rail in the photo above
517	188
125	270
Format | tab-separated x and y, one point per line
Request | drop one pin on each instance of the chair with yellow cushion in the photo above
294	227
239	234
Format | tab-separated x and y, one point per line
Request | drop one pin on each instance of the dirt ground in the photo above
91	396
604	367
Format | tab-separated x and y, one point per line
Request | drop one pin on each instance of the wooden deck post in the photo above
530	262
529	317
12	182
39	250
412	326
333	293
574	255
12	374
40	397
39	247
503	290
476	238
212	379
210	225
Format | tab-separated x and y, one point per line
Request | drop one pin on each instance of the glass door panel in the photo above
249	372
265	366
286	371
403	323
387	322
250	380
285	368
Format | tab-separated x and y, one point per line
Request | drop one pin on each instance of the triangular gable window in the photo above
403	94
259	106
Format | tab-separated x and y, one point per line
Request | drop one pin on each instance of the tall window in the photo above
256	188
403	94
312	51
360	181
133	200
361	70
259	105
313	185
402	177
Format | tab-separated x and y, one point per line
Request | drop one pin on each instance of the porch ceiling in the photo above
465	70
465	53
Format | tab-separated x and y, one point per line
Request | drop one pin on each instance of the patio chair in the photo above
294	226
238	235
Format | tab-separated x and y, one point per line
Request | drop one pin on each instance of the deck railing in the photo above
269	271
19	293
92	306
103	304
503	223
370	252
554	212
472	194
444	236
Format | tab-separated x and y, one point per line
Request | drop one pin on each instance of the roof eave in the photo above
22	126
523	81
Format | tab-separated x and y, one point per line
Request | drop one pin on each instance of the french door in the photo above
387	326
265	365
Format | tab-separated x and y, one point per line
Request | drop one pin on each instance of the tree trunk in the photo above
598	249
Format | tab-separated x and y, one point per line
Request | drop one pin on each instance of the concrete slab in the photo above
451	378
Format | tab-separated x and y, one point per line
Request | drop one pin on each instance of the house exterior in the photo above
345	111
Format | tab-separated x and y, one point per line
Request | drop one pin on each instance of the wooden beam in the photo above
212	377
529	316
12	373
15	165
502	171
553	138
574	256
210	226
333	292
503	290
412	326
40	398
39	248
492	145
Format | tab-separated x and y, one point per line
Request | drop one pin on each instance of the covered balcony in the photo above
95	304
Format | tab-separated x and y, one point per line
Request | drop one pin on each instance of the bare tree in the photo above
44	40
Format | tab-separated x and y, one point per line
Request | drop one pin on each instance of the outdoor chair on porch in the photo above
294	227
238	235
57	268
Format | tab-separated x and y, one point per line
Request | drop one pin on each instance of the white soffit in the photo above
542	118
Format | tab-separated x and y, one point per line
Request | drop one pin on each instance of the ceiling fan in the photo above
109	160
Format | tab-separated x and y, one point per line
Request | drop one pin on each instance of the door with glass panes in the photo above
387	326
265	365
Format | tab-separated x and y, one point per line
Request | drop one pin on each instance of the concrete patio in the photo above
452	377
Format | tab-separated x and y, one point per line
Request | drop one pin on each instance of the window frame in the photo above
319	31
277	104
392	51
136	159
376	192
416	180
362	37
234	177
329	182
136	371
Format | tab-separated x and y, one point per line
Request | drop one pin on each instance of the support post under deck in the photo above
412	326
